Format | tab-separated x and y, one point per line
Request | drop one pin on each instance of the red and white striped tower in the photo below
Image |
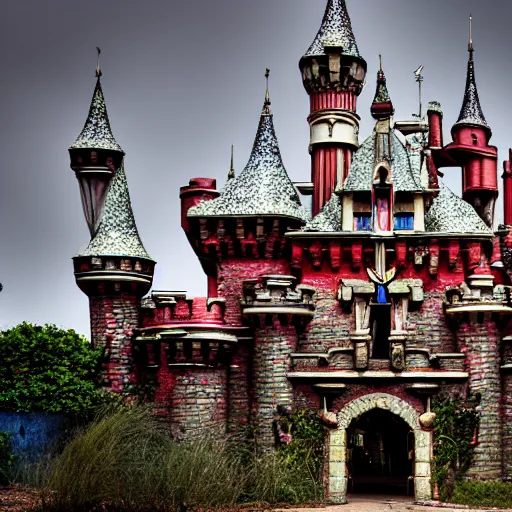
333	72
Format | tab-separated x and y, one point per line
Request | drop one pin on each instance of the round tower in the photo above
114	270
333	73
471	135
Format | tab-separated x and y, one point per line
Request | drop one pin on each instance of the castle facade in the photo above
391	290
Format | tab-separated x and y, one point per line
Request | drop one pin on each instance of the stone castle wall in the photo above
113	319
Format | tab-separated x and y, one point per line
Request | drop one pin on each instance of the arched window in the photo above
474	138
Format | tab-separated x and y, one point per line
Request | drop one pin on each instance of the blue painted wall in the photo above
32	432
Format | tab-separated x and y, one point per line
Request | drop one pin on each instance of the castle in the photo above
391	290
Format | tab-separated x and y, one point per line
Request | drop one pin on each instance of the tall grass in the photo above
127	460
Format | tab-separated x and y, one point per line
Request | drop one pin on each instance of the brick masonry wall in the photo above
238	391
233	272
480	343
271	388
113	319
507	426
197	401
330	326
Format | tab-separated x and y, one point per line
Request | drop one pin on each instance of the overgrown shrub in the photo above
483	494
127	459
454	427
6	458
307	445
47	369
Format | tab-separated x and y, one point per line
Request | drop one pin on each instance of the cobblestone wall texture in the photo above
113	319
479	341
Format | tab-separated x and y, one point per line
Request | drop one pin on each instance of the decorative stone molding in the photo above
338	470
277	295
465	300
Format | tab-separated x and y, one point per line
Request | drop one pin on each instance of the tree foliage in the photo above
454	428
45	368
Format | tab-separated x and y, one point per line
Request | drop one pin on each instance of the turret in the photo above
95	156
471	150
333	73
435	125
114	270
507	190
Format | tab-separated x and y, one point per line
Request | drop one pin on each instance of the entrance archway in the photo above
380	454
338	460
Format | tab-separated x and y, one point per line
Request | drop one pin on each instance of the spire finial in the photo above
267	94
231	173
470	46
98	69
380	62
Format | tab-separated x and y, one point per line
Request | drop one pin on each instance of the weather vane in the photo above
98	69
470	46
419	80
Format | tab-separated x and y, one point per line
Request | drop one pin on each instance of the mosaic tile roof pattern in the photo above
451	214
471	111
329	219
117	233
97	133
382	93
335	30
263	188
406	178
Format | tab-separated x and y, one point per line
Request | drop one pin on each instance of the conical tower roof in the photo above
471	112
96	133
117	233
382	105
335	30
263	188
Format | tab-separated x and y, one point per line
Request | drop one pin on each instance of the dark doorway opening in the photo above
380	454
381	330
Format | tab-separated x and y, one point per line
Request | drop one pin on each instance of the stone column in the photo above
113	319
480	343
276	308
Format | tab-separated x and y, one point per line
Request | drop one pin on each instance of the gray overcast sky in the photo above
183	81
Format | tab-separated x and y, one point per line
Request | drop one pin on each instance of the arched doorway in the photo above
339	471
380	454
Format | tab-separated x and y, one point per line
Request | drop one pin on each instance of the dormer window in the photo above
362	222
404	221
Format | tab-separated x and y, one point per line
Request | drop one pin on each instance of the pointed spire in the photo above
96	133
266	105
117	233
471	112
231	173
335	31
263	188
382	106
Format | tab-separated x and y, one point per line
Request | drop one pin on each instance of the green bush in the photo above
483	494
6	458
127	459
47	369
307	445
454	427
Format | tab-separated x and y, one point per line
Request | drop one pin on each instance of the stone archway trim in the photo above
338	470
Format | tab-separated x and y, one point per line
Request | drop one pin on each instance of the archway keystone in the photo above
338	470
